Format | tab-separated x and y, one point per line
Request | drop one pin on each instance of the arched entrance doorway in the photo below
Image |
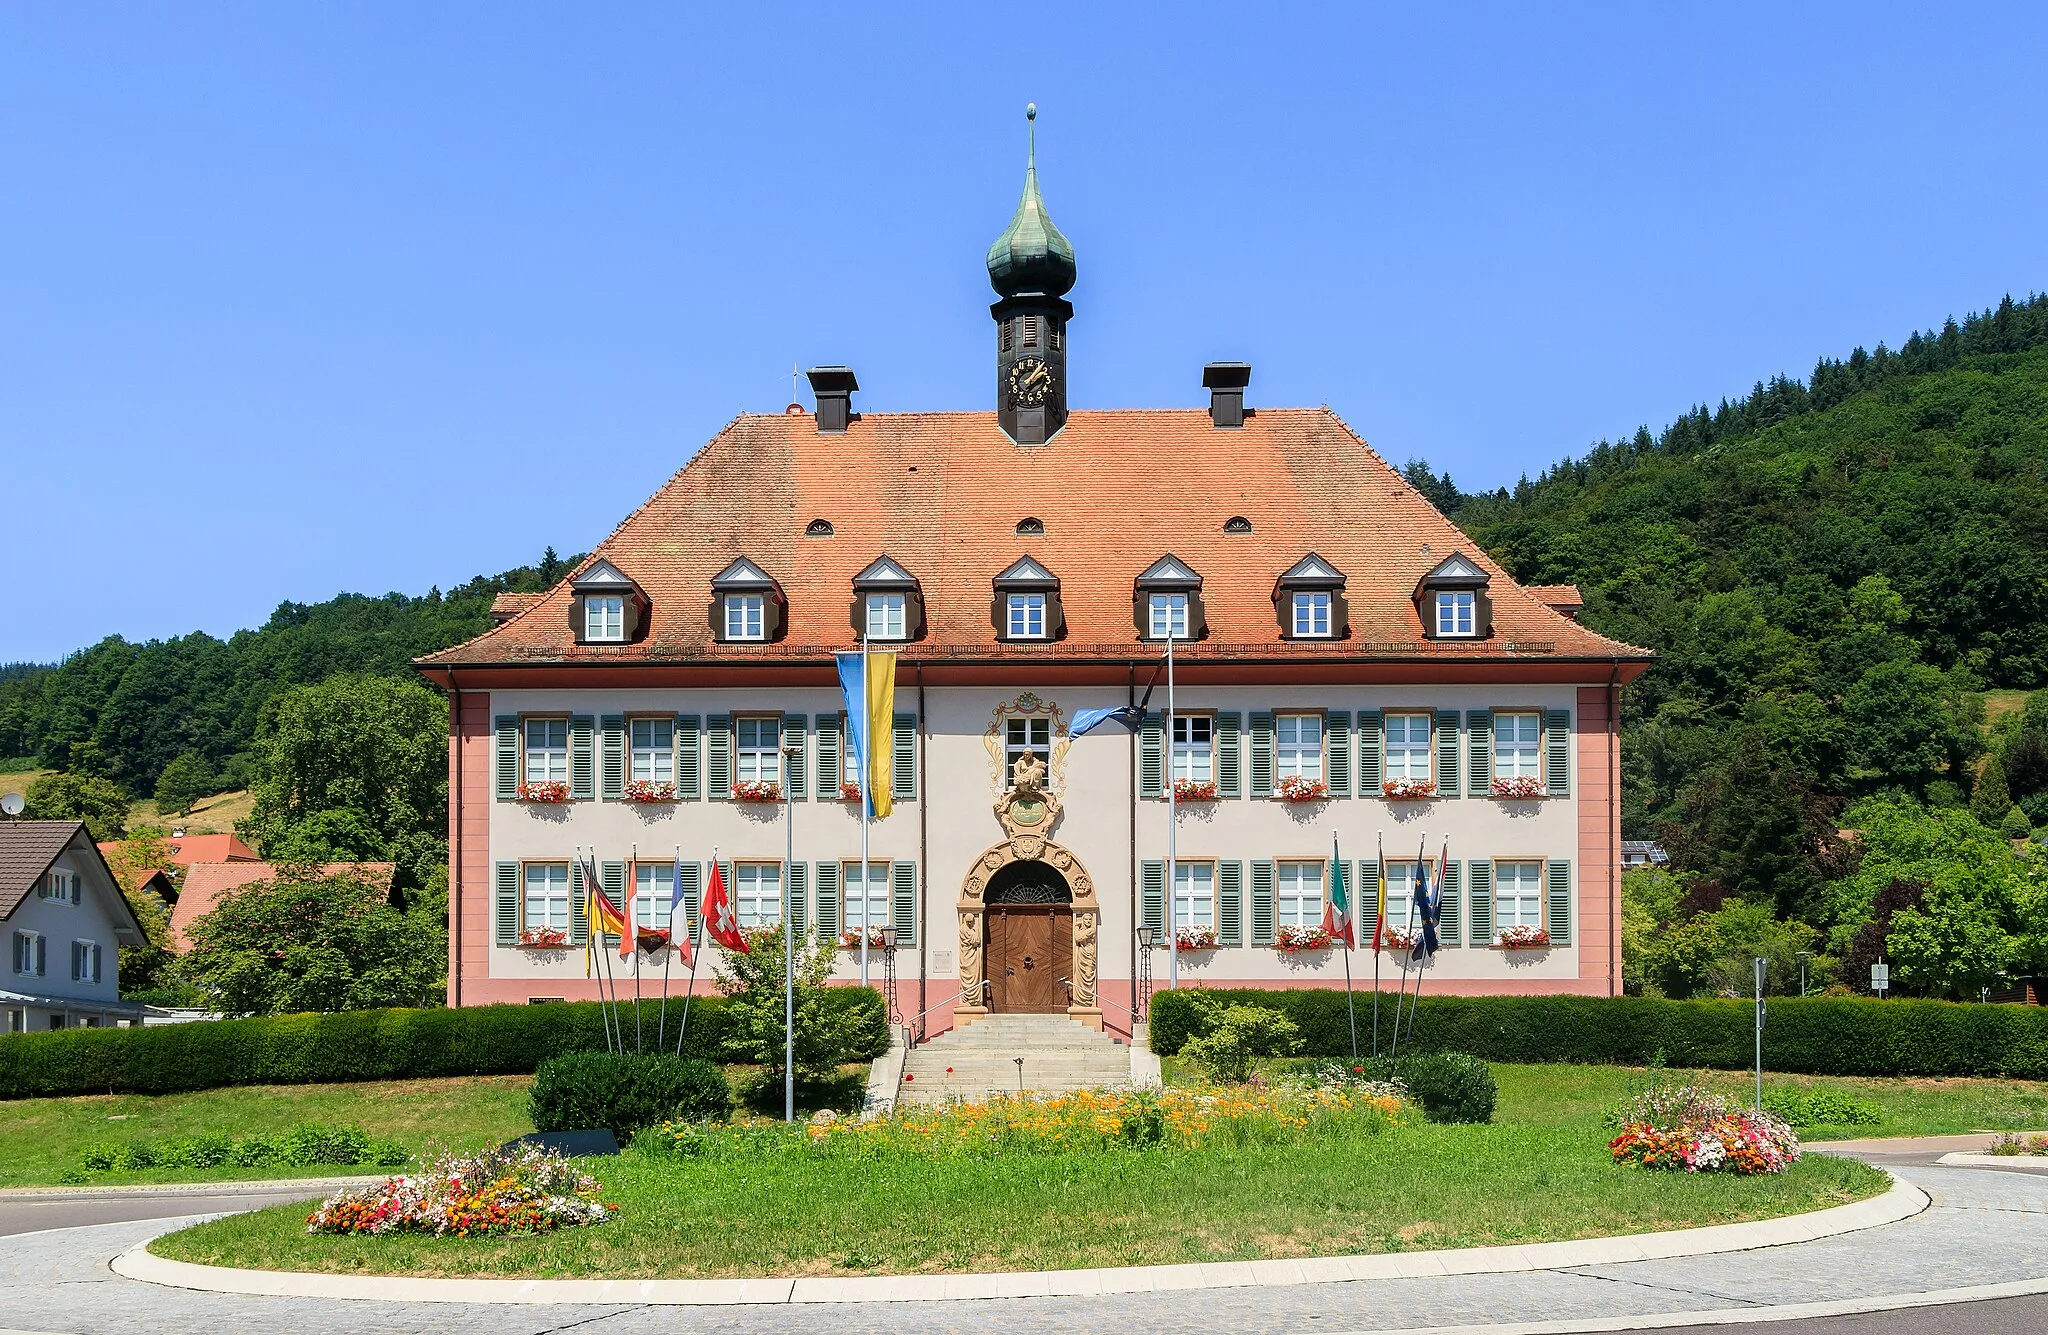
1030	917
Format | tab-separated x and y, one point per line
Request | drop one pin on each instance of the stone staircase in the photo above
1060	1054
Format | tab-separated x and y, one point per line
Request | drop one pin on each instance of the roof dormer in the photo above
1027	604
606	606
888	603
1452	600
1167	601
746	604
1309	600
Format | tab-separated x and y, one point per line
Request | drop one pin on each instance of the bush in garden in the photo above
1239	1035
1821	1106
306	1145
1450	1086
625	1092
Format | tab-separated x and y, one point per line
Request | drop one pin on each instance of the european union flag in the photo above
1087	720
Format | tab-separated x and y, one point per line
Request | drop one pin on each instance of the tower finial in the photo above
1031	135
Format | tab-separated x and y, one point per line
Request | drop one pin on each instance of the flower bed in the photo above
543	938
1291	939
1294	788
1523	938
2010	1144
1408	790
757	790
1522	786
517	1189
647	790
546	792
1689	1129
1196	938
1193	790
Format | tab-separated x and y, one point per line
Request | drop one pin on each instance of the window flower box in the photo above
1523	938
757	790
1393	938
543	938
1196	938
1294	788
1193	790
1408	790
849	792
1518	788
851	940
1292	940
547	792
647	791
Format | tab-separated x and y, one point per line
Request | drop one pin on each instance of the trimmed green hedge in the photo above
357	1045
1809	1035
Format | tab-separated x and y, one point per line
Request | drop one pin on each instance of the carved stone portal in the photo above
1027	843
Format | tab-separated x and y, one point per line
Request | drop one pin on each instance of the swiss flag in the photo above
719	919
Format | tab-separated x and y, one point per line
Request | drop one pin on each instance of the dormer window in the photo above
885	616
1169	601
606	606
818	528
1452	600
887	603
1027	603
1169	616
1310	598
1027	616
747	604
1030	528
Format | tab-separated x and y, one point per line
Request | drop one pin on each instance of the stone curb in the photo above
249	1187
2021	1162
1902	1202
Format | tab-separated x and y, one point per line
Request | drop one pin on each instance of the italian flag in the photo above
1338	915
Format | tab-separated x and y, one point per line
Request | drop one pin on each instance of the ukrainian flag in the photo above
867	683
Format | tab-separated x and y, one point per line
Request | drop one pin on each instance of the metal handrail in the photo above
918	1019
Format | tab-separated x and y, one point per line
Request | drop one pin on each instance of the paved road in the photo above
33	1214
1985	1227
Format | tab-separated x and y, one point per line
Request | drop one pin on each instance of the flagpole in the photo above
668	956
696	954
586	868
1350	930
1379	925
1432	913
789	944
1408	957
867	795
633	935
1172	826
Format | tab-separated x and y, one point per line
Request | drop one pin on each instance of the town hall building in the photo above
1356	686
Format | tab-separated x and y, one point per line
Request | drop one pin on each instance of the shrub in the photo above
1450	1086
1809	1035
625	1092
305	1145
1821	1106
1237	1035
357	1045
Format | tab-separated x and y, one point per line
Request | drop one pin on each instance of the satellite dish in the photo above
12	804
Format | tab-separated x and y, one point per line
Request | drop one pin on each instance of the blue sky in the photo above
297	299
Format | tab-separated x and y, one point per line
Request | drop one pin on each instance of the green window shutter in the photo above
579	908
1152	756
830	774
1447	754
1557	752
828	902
1557	881
718	757
612	880
1367	895
1262	753
689	775
505	914
1371	752
1230	903
794	770
1337	763
1447	918
693	895
799	898
1262	903
612	756
903	902
1229	765
1152	894
1478	752
582	757
508	757
903	758
1482	904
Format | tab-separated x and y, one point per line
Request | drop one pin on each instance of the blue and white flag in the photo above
1087	720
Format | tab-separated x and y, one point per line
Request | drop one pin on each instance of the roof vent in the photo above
1237	524
1225	382
1030	528
833	387
818	528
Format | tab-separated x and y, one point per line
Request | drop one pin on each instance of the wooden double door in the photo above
1030	957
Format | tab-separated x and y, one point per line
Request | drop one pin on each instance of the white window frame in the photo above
1194	748
1457	614
60	885
1407	758
888	616
1312	612
604	618
548	753
1194	895
654	887
85	961
746	617
1031	726
1401	894
652	760
757	893
1518	744
872	910
757	761
1168	616
31	954
1297	906
553	903
1517	900
1293	755
1025	616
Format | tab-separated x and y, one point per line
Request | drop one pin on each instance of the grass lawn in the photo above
1998	704
44	1136
209	815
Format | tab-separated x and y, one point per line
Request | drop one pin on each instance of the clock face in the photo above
1030	382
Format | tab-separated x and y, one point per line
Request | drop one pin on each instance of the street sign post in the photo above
1880	978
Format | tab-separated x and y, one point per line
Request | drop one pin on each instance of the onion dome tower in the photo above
1031	267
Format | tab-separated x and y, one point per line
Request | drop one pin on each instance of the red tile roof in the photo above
206	882
189	849
505	606
942	493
